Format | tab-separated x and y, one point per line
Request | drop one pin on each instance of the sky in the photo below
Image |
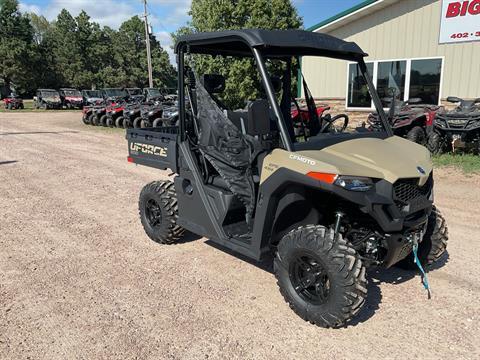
166	16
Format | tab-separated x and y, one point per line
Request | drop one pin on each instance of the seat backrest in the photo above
258	120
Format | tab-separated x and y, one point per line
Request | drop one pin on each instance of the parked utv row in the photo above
129	108
438	129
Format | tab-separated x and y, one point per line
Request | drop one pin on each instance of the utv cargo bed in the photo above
153	147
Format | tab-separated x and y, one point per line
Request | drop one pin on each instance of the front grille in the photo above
407	190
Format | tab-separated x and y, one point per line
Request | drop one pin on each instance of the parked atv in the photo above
326	208
115	115
13	102
169	117
71	98
303	127
92	97
98	116
408	119
131	113
457	129
47	99
90	113
148	116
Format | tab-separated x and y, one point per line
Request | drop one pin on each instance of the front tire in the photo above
417	135
94	120
159	212
119	122
137	123
434	143
109	122
145	124
103	120
433	245
127	124
321	277
157	122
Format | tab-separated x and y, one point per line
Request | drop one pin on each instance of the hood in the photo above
55	98
390	159
73	98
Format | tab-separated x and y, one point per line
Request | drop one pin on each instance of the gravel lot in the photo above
80	279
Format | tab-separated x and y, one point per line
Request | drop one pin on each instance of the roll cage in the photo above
262	45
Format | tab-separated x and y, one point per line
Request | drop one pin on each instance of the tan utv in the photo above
326	207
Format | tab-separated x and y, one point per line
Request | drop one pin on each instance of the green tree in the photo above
131	56
242	80
16	47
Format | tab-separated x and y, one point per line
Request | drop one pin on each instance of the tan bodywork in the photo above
390	159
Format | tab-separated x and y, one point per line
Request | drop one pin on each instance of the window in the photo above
409	78
391	80
358	95
425	80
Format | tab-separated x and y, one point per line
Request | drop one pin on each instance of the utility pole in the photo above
147	39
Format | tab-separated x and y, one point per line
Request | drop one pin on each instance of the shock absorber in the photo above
338	220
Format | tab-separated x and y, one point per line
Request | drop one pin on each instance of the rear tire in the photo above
86	119
159	212
109	122
334	286
21	106
119	122
434	143
417	135
433	245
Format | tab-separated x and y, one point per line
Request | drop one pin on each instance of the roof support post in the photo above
376	99
181	92
267	83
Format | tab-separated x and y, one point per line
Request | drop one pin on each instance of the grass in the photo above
28	108
468	163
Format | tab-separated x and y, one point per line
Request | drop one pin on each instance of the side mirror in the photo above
414	101
454	99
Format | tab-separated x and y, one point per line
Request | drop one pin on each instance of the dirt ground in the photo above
80	279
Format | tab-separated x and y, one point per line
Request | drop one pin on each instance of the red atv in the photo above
409	119
303	126
115	115
13	102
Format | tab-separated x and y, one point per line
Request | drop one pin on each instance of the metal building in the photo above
421	48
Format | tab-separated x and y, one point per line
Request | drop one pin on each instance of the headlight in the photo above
167	114
354	183
150	113
132	112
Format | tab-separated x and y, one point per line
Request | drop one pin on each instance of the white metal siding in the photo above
406	29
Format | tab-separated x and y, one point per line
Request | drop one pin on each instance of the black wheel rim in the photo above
309	279
153	213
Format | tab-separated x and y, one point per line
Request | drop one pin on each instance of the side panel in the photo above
155	148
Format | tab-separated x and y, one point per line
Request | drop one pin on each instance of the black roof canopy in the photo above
272	43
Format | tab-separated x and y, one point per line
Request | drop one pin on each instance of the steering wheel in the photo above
329	121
